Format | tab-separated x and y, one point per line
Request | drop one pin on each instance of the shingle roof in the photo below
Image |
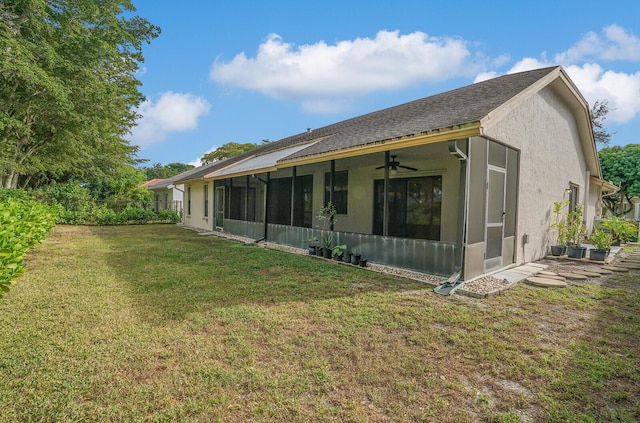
152	182
463	105
457	107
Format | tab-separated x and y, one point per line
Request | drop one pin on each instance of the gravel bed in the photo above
486	285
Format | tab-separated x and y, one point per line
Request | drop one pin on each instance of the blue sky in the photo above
244	71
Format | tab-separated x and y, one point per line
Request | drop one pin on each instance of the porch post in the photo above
331	181
293	192
462	154
267	204
385	212
246	199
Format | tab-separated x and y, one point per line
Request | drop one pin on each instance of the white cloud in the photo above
620	89
614	44
318	73
172	112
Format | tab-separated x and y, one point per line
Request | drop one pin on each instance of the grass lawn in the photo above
156	323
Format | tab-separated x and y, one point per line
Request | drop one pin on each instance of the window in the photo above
573	196
340	190
205	192
166	200
415	206
189	201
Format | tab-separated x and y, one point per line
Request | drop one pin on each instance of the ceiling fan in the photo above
394	165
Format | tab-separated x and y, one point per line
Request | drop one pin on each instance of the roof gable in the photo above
478	104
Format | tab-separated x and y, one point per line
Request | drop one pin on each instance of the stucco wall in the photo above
544	129
197	219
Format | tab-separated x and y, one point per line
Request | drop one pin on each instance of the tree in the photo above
226	151
68	90
598	115
163	172
230	149
621	166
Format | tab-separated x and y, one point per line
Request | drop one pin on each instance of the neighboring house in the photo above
166	194
463	180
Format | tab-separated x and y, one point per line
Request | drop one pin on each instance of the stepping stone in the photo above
629	266
570	275
599	270
587	273
546	283
547	273
615	268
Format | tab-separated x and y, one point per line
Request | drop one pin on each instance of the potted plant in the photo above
355	257
312	245
338	251
347	257
363	262
327	215
601	240
560	224
327	247
575	233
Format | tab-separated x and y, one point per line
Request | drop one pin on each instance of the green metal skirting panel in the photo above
431	257
253	230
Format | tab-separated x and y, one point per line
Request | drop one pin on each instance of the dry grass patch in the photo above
154	323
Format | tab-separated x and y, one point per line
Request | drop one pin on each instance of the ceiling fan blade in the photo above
408	167
379	167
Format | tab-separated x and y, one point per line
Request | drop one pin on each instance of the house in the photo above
459	181
166	194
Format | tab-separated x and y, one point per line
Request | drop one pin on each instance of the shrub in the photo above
171	215
103	215
23	224
621	229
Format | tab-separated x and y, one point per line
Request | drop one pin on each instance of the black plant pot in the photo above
346	257
326	252
338	257
598	255
355	259
363	262
576	252
558	250
319	251
312	250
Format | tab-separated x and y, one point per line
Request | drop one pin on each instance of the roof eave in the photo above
464	130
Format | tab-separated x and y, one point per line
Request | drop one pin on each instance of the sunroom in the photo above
406	203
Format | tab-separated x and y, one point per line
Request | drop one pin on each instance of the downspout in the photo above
454	282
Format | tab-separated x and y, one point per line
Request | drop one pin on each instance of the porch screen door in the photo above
496	179
219	207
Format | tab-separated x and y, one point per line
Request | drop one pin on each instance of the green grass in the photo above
156	323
